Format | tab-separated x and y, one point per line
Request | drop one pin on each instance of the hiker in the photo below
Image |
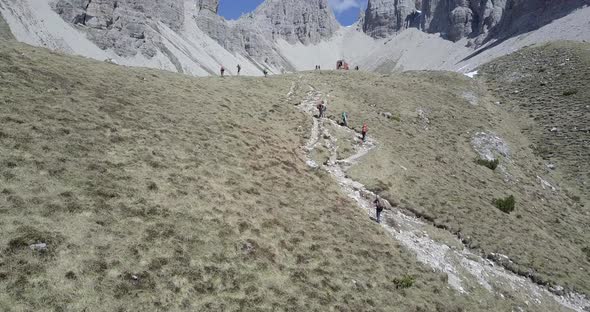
239	69
222	71
265	72
344	119
322	109
356	68
379	206
364	132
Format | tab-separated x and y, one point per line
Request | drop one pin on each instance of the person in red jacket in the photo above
364	132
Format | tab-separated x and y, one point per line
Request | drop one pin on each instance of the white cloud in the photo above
342	5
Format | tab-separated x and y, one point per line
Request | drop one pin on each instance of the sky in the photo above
346	11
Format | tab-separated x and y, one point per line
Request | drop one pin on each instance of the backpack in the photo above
382	203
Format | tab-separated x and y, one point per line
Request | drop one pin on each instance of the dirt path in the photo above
467	272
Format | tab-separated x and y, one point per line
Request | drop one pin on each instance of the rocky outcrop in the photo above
306	21
210	5
478	20
386	17
296	21
126	26
129	27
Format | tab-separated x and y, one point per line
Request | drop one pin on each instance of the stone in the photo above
558	290
38	247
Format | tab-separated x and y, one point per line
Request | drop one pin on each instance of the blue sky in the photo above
347	11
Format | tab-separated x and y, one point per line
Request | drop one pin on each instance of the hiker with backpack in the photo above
344	119
322	109
265	72
239	69
364	132
222	70
380	205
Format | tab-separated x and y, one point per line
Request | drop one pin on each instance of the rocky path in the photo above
467	272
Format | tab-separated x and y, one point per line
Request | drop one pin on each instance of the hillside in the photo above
548	84
155	191
432	128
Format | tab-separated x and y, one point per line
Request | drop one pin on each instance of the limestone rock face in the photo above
478	20
129	27
211	5
386	17
126	26
305	21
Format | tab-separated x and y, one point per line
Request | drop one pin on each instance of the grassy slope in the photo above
5	33
549	84
546	234
159	192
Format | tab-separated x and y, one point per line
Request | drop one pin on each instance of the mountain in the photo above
189	36
295	21
477	20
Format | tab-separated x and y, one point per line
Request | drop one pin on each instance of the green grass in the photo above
505	205
161	192
490	164
404	282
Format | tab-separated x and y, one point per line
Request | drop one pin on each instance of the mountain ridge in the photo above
189	36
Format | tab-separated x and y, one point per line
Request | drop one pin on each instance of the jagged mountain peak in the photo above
305	21
477	20
211	5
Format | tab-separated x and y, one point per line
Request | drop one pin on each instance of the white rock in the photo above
38	247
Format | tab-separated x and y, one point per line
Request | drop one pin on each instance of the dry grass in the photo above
548	85
427	165
160	192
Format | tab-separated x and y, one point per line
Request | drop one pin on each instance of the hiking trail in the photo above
467	271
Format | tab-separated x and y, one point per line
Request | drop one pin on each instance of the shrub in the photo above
570	92
152	186
492	164
586	250
404	282
505	204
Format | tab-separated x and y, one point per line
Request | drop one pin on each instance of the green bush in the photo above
492	164
404	282
505	204
570	92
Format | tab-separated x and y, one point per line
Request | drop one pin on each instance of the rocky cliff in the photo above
296	21
126	26
130	27
306	21
478	20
